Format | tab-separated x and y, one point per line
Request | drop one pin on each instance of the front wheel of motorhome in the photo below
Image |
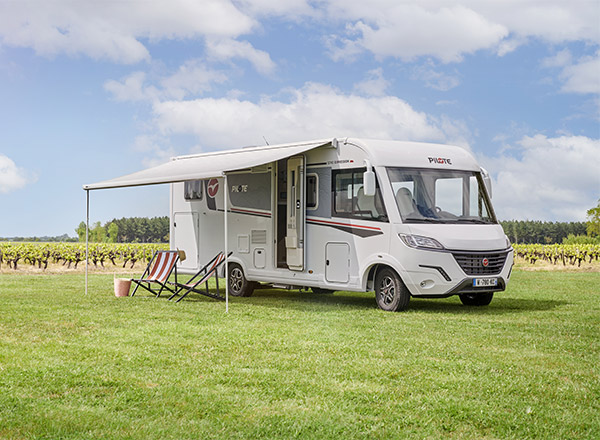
476	299
238	284
390	292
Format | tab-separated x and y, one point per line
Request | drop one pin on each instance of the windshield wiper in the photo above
473	220
423	220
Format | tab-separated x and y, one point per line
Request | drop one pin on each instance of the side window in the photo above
193	190
312	191
349	199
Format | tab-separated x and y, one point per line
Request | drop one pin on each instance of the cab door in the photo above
296	209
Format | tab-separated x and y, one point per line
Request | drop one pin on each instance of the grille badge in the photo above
485	262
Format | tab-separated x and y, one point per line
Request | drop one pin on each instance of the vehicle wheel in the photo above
238	284
320	291
476	299
390	292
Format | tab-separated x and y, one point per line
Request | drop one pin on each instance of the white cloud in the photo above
192	78
291	9
411	29
131	88
374	85
560	59
12	177
312	112
226	49
113	30
408	31
119	30
582	77
156	149
548	179
435	79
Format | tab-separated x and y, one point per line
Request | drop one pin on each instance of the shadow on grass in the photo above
276	298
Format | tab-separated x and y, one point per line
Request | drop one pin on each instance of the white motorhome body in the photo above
311	215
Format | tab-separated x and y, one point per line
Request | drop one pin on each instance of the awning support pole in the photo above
226	208
87	234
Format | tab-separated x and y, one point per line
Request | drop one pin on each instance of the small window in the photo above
193	190
312	191
349	199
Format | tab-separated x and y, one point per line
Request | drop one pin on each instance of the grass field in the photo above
297	365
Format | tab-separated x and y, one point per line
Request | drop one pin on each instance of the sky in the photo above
95	89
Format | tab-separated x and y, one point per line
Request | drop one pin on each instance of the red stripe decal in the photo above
349	225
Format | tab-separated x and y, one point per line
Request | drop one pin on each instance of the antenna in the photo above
266	140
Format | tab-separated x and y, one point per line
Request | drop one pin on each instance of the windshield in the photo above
440	196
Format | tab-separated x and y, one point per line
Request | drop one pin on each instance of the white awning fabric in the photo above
208	165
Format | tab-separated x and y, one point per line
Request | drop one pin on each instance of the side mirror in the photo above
369	183
487	180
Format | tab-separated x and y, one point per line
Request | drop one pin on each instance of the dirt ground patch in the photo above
542	265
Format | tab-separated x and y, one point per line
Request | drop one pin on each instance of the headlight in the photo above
417	241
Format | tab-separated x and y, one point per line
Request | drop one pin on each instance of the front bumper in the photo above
447	273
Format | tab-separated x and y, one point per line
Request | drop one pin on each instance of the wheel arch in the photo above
370	272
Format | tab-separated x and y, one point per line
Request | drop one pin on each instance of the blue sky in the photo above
91	90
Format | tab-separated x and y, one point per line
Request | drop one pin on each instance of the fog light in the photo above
427	284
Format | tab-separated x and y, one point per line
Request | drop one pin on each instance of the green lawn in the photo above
296	365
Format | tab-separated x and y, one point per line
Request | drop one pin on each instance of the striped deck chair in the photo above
162	264
202	277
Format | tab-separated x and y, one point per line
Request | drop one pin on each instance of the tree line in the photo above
127	230
532	231
538	232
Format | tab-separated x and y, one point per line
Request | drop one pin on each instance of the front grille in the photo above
473	263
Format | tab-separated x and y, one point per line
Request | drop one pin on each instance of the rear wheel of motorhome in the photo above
390	292
476	299
238	284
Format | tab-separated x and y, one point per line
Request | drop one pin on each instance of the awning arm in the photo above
87	233
225	209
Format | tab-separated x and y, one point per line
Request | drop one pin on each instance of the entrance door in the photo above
186	238
296	208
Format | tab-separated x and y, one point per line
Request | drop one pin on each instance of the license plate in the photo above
485	282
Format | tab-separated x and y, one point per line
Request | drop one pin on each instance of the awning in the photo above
208	165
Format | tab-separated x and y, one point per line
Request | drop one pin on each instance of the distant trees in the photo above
128	230
530	231
593	223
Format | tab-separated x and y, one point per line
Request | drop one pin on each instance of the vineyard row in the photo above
572	254
71	254
121	254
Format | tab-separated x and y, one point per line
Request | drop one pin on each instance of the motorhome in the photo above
402	219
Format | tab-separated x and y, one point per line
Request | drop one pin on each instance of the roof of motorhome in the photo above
415	154
214	164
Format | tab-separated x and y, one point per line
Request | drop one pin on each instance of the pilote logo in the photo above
440	160
213	188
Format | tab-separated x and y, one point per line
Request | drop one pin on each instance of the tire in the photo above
476	299
390	292
238	284
320	291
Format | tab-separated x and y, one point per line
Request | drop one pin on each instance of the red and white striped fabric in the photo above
218	261
163	264
209	271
